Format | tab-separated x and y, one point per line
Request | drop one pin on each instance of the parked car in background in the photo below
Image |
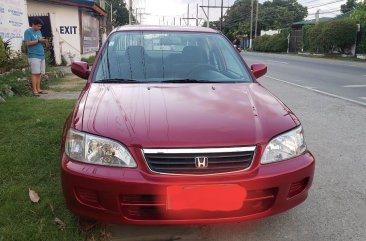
172	127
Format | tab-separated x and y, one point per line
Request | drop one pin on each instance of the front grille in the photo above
184	161
151	207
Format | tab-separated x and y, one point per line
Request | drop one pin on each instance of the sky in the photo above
168	12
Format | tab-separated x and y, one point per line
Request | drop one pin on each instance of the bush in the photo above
18	60
274	43
328	37
15	83
361	47
10	59
2	53
90	60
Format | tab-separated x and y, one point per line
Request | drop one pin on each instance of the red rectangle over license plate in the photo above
206	197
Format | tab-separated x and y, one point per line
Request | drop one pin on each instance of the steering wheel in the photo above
201	67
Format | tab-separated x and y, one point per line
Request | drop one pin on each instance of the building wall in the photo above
270	32
65	26
13	21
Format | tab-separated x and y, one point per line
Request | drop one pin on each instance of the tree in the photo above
360	16
348	6
276	14
213	24
237	14
120	12
360	12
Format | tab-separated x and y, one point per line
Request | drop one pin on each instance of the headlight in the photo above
285	146
92	149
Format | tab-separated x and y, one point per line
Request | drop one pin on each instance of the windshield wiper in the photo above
117	81
188	81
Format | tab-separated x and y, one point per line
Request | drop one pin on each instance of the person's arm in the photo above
29	42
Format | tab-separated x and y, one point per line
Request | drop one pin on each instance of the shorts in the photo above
38	66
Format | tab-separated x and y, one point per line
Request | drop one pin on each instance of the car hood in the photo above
185	115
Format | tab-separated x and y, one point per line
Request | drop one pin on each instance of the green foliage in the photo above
90	60
10	59
120	12
49	56
327	37
361	48
275	14
15	83
237	14
360	12
5	52
274	43
18	60
2	53
230	36
279	14
348	6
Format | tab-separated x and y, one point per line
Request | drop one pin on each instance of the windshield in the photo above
150	56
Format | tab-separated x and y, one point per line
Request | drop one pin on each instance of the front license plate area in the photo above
206	197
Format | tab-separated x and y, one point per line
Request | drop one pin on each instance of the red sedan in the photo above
173	128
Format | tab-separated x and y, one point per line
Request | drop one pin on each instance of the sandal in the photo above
42	92
36	94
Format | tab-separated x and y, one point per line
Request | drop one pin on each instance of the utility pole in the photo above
256	20
136	16
251	25
222	13
188	15
111	13
189	18
197	15
130	12
208	12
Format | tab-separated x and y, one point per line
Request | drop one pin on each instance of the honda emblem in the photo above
201	162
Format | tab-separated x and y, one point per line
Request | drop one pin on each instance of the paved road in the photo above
345	79
335	210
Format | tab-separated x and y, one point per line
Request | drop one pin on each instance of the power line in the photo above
325	4
311	1
326	12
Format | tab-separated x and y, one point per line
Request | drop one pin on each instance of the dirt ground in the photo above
67	87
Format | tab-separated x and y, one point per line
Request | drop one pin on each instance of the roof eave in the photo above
95	7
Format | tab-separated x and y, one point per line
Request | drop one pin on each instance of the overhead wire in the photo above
325	4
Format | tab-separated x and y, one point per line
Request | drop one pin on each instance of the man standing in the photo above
36	57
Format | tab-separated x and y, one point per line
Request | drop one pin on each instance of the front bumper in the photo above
123	195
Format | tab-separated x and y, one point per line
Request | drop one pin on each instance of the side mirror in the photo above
259	70
80	69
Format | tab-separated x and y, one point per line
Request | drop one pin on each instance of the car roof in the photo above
164	28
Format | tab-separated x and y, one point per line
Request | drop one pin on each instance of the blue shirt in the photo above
34	51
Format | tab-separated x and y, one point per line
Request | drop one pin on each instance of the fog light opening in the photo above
297	187
87	197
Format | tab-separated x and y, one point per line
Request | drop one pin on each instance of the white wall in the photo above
65	28
269	32
13	21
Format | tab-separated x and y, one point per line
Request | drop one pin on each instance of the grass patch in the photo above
30	135
329	56
69	82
